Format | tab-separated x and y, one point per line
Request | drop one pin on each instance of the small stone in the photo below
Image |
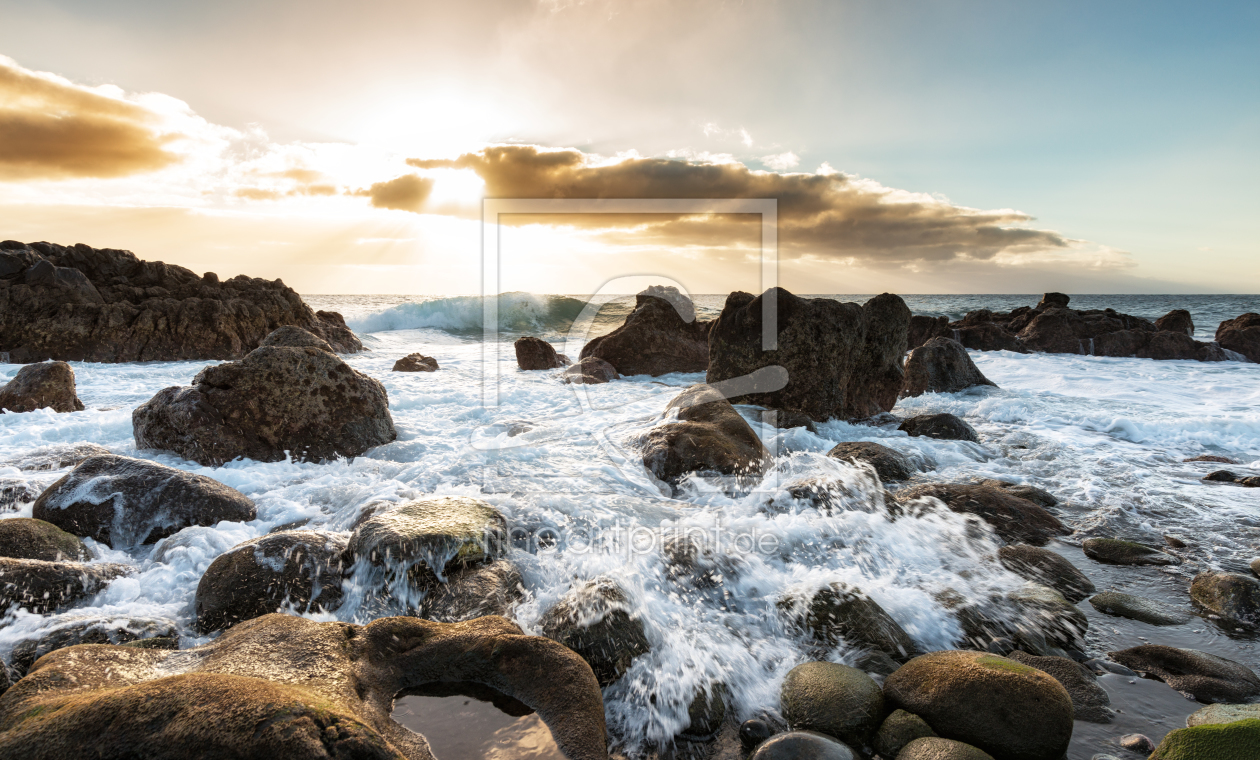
416	363
899	729
1117	552
754	732
1137	743
943	426
889	465
535	353
803	745
1174	542
591	370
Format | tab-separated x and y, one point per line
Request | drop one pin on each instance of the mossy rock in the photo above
1223	714
1239	740
1232	596
28	538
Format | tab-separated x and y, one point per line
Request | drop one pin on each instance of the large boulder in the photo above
28	538
660	336
535	353
427	539
1177	320
124	502
709	437
943	426
1232	596
1208	677
597	621
1013	519
87	304
55	457
840	612
839	357
43	587
1218	741
297	569
832	699
1053	300
1046	567
1001	706
288	688
1117	551
46	385
924	328
77	629
1241	335
1090	702
889	465
276	402
416	363
941	366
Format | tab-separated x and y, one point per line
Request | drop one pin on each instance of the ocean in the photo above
1107	436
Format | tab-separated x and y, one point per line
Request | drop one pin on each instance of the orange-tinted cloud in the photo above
52	129
405	193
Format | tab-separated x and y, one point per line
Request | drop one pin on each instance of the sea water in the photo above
1107	436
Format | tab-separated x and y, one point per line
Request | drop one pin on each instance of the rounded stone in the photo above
1137	608
1050	568
833	699
28	538
1217	741
295	337
754	732
802	745
1232	596
888	464
1117	552
936	748
899	729
442	531
416	363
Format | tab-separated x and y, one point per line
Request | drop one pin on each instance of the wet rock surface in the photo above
1222	713
1119	552
944	426
276	402
597	622
803	745
1241	334
1012	518
1227	741
1232	596
27	538
899	729
933	748
833	699
1089	700
43	587
46	385
941	366
660	336
102	305
709	437
1137	608
1206	676
535	353
474	591
889	464
156	633
880	375
1046	567
416	363
124	502
840	612
591	370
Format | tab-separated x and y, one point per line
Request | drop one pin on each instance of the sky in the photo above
917	147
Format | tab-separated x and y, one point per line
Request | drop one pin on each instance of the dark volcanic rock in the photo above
1049	300
842	360
87	304
1232	596
1001	706
1242	335
987	337
274	403
832	699
660	336
1208	677
25	538
922	329
1013	519
535	353
840	612
1048	568
591	371
889	465
709	437
295	337
124	502
1089	700
297	568
944	426
287	688
153	632
1177	320
42	587
597	622
941	366
46	385
1117	552
416	363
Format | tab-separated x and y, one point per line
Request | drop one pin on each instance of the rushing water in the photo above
1106	435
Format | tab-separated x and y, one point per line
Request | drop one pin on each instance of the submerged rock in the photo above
944	426
1089	700
1232	596
155	633
591	371
295	337
1208	677
1001	706
709	437
941	366
660	336
57	457
1046	567
474	591
1012	518
597	621
535	353
1223	741
802	745
297	568
416	363
43	587
46	385
1137	608
706	713
124	502
889	464
288	688
899	729
428	538
274	403
935	748
1038	496
832	699
1118	552
840	612
27	538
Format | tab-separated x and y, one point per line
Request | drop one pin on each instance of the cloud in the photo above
51	128
405	193
829	214
782	162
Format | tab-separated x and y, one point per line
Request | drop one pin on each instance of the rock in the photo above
46	385
899	729
1232	596
124	502
14	492
27	538
753	732
108	629
1241	335
1117	552
1003	707
709	437
841	612
57	457
1089	700
416	363
86	304
301	569
788	419
597	622
1038	496
1012	518
1227	741
706	713
1177	320
474	591
1211	458
660	336
428	538
1137	608
535	353
838	357
889	465
590	371
274	403
288	688
924	328
941	366
1140	743
1255	566
1208	677
944	426
832	699
1051	300
987	337
42	587
802	745
1047	567
1223	714
1051	616
941	749
1221	476
1174	543
292	336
